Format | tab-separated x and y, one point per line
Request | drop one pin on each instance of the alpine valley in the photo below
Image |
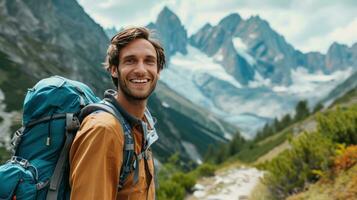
225	79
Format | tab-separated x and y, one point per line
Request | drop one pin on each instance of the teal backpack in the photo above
52	113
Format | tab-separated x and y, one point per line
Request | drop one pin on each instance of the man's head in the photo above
135	60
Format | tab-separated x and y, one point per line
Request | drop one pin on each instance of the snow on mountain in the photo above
196	77
241	49
198	62
184	69
312	86
247	73
182	75
259	81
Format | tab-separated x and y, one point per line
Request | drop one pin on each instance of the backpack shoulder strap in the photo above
72	125
128	151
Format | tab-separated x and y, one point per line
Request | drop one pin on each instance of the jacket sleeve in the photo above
95	159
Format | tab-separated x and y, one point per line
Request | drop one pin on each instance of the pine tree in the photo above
302	110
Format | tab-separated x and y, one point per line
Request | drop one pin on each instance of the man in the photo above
96	156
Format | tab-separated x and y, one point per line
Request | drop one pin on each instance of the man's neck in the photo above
135	108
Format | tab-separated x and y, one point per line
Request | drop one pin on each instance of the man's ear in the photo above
114	71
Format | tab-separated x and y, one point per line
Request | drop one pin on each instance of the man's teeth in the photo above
139	80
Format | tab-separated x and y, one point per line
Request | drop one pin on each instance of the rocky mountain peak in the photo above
166	13
230	22
171	32
336	47
206	27
258	24
338	57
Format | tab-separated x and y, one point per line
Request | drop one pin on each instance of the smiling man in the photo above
99	151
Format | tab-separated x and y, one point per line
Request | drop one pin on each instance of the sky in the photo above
309	25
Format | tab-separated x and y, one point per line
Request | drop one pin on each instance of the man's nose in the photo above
140	67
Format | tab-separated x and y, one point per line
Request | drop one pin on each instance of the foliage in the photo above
340	125
346	159
318	107
302	110
205	170
313	155
350	190
219	153
169	190
258	149
345	98
185	180
175	182
292	170
342	187
249	151
4	155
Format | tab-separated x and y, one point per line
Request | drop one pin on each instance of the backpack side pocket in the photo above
19	178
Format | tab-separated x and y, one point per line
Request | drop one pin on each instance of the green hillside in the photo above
316	163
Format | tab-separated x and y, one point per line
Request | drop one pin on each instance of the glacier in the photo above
247	107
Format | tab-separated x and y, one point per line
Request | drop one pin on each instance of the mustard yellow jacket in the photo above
96	158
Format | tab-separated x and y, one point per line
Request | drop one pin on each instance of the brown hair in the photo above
123	38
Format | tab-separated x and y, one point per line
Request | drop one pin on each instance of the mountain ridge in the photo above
262	62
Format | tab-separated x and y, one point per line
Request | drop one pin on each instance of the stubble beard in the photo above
129	94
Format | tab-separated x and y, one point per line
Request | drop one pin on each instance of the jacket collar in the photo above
133	121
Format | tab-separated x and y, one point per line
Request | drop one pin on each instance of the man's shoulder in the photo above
101	120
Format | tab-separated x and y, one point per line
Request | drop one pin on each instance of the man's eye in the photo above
151	62
129	61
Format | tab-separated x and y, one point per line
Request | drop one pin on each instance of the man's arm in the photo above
95	158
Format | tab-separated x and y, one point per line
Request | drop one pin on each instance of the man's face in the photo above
138	71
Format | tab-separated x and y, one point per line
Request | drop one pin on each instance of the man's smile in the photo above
139	80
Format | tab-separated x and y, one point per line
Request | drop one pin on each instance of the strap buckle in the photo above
21	161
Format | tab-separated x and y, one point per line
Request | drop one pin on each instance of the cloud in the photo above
345	35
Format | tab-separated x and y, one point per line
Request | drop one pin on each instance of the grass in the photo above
342	187
255	151
261	192
1	119
350	96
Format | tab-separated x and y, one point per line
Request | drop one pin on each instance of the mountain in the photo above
53	37
341	89
245	72
38	40
184	127
257	48
171	32
110	32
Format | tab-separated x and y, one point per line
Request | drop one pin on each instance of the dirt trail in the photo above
232	184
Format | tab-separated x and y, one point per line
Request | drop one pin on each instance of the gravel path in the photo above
232	184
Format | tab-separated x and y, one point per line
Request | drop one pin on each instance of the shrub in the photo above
346	159
339	125
205	169
187	181
4	155
293	169
169	190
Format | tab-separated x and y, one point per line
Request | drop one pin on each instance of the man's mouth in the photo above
139	80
